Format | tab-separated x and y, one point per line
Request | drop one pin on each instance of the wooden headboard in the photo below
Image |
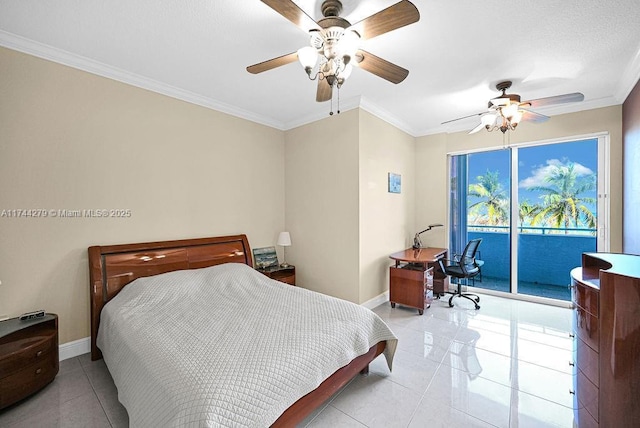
112	267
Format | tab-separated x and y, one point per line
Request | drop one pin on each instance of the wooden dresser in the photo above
606	296
28	356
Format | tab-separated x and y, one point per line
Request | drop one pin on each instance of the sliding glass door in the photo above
536	208
557	214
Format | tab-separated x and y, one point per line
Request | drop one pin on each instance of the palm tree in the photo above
493	200
527	212
563	204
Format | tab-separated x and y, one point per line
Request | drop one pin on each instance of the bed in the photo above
194	308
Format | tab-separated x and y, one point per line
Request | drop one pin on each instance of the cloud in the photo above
541	171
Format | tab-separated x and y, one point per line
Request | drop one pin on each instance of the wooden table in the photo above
412	274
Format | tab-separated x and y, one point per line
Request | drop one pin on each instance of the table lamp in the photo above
416	239
284	240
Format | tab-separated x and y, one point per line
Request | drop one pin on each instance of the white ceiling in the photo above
197	50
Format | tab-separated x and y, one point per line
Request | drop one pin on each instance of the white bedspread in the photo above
227	346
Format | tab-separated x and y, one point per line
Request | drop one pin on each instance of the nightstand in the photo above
282	274
28	356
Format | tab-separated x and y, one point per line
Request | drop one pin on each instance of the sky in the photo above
534	163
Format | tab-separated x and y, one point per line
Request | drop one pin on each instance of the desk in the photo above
411	273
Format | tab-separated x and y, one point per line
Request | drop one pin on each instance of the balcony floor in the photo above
529	288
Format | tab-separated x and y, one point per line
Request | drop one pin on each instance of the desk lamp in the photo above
416	239
284	240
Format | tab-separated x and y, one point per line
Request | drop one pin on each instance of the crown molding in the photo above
383	114
629	79
47	52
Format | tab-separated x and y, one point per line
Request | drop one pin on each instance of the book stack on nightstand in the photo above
282	274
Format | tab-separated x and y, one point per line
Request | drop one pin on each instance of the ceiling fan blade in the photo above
558	99
476	129
293	13
464	117
324	91
394	17
272	63
532	116
380	67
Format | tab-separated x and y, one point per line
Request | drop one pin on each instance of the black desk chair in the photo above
463	266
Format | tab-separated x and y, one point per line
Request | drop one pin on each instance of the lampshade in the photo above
346	72
284	239
517	116
349	43
510	110
488	119
308	57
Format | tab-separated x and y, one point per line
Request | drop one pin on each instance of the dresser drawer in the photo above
584	419
587	394
24	382
287	279
586	297
586	327
27	350
587	361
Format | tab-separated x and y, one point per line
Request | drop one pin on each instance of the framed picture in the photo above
395	183
265	257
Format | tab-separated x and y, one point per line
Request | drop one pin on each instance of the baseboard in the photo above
74	349
376	301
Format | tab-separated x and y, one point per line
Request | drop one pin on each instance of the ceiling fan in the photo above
334	43
506	111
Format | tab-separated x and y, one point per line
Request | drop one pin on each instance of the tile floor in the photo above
505	365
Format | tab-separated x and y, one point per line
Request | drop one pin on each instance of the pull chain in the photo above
331	111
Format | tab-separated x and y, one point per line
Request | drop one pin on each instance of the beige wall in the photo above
386	219
73	140
431	154
321	161
343	221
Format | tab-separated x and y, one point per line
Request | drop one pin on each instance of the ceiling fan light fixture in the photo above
510	110
308	57
345	73
334	44
349	43
516	118
488	120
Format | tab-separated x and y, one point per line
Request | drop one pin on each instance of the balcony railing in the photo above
545	255
543	230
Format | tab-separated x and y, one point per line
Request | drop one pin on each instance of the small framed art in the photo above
265	257
395	183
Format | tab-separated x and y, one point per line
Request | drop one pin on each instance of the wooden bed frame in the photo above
112	267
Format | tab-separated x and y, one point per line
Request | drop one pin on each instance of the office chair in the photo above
463	266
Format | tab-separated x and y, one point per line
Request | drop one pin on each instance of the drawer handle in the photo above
571	335
572	392
38	370
38	354
572	364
